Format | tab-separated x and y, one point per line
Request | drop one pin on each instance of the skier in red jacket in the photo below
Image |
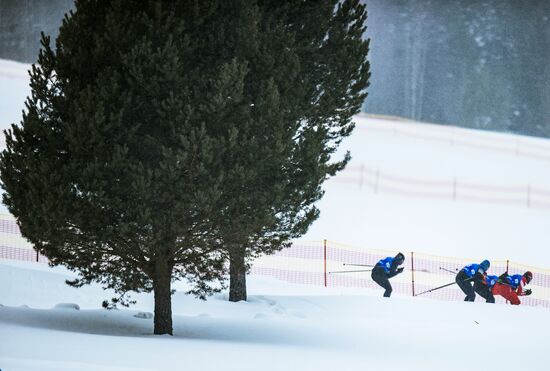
511	287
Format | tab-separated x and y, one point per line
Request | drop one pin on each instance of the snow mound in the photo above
72	306
144	315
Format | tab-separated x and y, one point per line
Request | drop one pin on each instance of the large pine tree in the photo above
113	171
162	137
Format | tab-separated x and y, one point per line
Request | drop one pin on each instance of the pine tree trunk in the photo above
163	298
237	276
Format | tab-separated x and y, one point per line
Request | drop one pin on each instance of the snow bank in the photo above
281	327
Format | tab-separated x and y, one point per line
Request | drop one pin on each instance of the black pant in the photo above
471	290
466	286
484	291
379	276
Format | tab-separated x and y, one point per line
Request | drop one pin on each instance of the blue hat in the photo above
485	265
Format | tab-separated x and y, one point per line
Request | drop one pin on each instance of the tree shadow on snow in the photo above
123	323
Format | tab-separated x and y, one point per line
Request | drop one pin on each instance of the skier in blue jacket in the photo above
472	279
385	269
490	281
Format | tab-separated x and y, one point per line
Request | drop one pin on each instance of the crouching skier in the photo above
490	281
386	269
471	279
484	287
511	287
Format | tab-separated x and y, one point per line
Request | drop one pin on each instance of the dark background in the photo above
473	63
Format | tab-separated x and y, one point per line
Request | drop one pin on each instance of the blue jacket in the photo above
480	268
513	280
491	280
385	263
471	270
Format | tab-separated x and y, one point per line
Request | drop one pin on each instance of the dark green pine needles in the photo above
164	139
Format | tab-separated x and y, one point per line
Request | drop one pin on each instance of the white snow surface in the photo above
14	88
46	325
281	327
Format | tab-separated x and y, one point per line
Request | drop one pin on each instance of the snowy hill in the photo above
282	327
14	89
416	187
409	187
442	190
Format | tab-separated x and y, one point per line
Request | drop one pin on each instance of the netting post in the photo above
412	271
325	260
37	256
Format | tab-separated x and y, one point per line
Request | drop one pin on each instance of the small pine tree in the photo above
306	75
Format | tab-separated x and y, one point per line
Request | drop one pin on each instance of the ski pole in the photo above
362	270
436	288
440	287
359	265
448	270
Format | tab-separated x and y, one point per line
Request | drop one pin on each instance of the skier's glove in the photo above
503	276
527	292
400	270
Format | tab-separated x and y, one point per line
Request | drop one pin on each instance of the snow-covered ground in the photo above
281	327
13	91
408	187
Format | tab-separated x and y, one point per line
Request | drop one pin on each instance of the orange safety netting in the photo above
326	263
338	265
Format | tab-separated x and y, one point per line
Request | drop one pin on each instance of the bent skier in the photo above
510	287
484	285
472	279
385	269
490	281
